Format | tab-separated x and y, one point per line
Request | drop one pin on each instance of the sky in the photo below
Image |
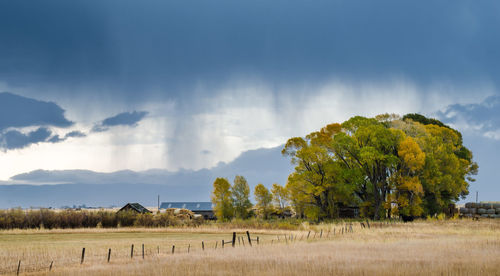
114	85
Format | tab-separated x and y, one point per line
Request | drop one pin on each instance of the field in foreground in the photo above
457	247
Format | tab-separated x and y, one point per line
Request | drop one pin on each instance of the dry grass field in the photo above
455	247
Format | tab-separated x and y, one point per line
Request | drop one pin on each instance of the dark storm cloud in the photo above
18	111
125	118
483	117
75	133
14	139
122	119
139	46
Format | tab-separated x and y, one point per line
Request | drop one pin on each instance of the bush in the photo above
49	219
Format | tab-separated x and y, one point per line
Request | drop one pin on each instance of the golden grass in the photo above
457	247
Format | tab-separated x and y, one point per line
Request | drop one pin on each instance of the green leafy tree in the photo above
264	199
222	199
241	197
412	166
319	181
449	165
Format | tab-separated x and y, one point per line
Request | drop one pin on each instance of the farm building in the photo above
136	207
200	208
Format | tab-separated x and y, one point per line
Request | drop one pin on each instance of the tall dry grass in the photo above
459	247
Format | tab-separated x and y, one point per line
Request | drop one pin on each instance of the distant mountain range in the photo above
42	188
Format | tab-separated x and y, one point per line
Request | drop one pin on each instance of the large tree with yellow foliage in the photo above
386	165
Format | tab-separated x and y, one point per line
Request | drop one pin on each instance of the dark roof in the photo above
136	206
193	206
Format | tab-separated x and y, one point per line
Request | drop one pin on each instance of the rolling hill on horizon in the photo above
42	188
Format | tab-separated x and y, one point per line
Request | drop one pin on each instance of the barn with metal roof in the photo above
201	208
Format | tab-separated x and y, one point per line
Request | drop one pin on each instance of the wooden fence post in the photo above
321	234
109	254
249	240
142	251
368	224
50	267
202	245
189	247
173	249
308	234
257	240
83	255
18	267
234	239
222	244
215	244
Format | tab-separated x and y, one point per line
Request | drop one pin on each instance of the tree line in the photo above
233	201
386	166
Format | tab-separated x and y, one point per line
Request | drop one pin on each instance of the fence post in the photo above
321	234
189	247
50	267
142	251
257	240
222	244
109	254
202	245
173	249
132	251
368	224
216	244
234	239
83	255
249	240
18	267
308	234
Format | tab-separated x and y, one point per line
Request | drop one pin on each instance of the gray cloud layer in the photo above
14	139
122	119
482	118
18	111
136	47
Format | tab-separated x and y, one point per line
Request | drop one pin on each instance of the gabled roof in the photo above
193	206
136	206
